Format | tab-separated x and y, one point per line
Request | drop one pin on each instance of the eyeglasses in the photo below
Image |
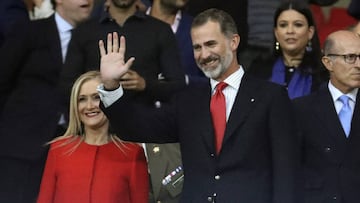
348	58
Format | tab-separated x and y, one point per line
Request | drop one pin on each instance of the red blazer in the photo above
95	174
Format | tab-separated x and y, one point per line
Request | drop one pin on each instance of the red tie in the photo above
218	113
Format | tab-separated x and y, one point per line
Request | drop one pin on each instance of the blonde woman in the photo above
87	163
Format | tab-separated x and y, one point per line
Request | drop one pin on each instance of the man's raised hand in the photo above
112	63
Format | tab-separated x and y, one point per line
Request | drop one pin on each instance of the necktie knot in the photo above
220	86
345	114
345	100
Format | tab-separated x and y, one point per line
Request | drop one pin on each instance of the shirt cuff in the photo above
109	97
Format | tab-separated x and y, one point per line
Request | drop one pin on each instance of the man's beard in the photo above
123	3
221	67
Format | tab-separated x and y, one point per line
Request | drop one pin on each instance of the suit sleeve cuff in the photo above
109	97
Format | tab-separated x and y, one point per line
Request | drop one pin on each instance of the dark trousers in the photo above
20	179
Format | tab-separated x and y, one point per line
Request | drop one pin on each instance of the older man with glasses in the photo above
328	123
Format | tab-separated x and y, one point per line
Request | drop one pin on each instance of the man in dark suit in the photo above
29	108
330	149
257	158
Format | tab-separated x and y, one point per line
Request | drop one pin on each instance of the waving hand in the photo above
112	64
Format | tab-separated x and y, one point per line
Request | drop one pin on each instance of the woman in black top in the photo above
296	59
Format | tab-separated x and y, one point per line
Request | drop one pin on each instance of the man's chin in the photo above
211	74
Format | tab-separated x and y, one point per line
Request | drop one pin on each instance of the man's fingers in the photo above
115	43
102	48
122	45
109	43
129	63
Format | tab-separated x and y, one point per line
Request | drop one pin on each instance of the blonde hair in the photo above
75	129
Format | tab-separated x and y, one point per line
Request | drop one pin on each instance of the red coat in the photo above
91	173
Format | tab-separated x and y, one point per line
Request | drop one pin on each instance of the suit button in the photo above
209	199
334	197
212	155
217	177
327	149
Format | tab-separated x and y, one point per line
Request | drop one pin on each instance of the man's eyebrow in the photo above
210	42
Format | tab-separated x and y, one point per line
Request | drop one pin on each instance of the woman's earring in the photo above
309	47
277	46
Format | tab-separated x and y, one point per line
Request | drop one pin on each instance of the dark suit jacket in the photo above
30	67
163	160
257	160
330	161
11	11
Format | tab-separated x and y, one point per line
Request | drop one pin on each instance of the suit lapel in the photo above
53	39
202	98
243	105
355	127
328	117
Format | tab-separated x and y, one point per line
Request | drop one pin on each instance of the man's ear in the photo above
235	41
328	63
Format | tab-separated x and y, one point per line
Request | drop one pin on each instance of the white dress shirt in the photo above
64	29
231	90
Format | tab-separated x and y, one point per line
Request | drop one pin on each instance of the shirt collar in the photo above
233	80
62	25
336	93
176	23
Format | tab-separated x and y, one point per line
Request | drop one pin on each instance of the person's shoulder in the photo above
312	101
261	66
43	21
89	23
264	89
33	26
186	16
154	22
127	147
260	83
127	150
307	99
64	142
202	84
89	30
